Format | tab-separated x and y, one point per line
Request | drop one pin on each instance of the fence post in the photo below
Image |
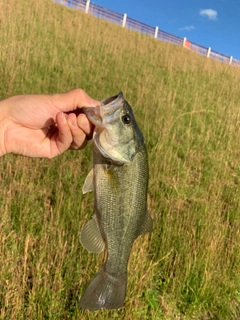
87	6
124	20
184	42
209	52
156	32
230	60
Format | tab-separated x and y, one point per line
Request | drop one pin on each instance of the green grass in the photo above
188	109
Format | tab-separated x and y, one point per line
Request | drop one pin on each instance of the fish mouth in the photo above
112	99
93	115
101	117
107	107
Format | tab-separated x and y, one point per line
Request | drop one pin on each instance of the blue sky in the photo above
209	23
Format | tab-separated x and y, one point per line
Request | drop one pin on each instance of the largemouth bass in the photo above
119	179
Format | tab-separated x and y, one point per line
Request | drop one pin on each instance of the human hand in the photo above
44	125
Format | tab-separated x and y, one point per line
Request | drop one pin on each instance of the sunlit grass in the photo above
188	109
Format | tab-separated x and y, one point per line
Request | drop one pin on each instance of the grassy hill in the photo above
188	109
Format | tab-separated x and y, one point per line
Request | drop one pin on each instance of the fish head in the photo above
116	135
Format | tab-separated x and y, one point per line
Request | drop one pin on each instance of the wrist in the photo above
3	128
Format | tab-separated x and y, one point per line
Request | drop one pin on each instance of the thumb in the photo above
73	99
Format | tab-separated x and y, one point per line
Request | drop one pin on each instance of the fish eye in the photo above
126	119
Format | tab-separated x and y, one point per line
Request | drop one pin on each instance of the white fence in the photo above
127	22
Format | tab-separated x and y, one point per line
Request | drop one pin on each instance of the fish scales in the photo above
119	179
124	207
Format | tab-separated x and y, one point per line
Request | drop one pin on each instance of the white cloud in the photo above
187	28
209	13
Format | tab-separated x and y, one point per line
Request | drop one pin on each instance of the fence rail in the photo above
106	14
127	22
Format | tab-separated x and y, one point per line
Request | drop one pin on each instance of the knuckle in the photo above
80	92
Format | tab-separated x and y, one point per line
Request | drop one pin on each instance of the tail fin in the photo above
104	291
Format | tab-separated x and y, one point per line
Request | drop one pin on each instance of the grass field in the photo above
188	108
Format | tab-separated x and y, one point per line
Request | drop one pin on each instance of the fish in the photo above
119	179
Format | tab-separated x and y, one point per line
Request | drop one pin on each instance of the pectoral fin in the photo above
88	183
91	238
147	224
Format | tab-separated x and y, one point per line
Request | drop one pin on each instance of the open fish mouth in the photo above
111	99
107	107
111	137
93	115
